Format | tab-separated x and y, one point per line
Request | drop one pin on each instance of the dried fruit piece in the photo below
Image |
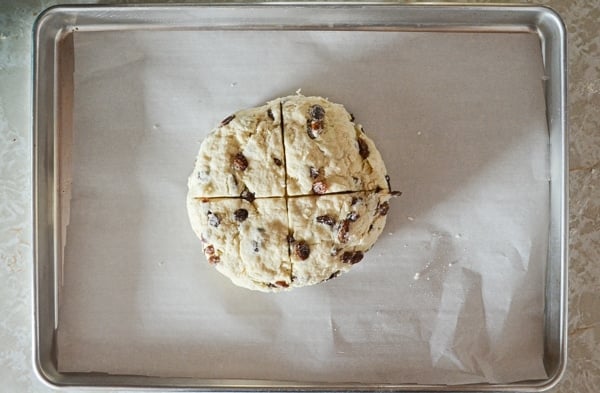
316	112
240	162
343	231
282	284
227	120
240	215
270	114
314	172
213	219
333	275
212	258
302	250
383	208
277	161
314	124
325	219
314	128
247	195
352	257
319	187
352	216
363	148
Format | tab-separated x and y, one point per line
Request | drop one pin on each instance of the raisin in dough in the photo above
331	233
246	242
325	151
243	155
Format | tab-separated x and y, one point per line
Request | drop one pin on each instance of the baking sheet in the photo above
452	292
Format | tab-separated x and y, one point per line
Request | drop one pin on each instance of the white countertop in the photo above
16	21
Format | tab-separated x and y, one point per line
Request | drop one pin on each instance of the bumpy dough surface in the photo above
339	229
256	134
253	251
289	194
334	153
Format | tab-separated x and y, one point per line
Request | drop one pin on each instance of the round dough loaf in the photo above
289	194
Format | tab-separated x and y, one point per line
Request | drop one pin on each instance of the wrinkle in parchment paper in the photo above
451	293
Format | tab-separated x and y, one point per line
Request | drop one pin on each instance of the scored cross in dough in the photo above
289	194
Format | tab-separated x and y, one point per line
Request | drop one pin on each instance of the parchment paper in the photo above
451	293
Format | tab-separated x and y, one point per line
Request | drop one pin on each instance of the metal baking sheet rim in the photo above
59	21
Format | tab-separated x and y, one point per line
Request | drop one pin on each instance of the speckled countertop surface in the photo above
16	20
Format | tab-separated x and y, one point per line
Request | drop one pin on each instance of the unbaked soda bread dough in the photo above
289	194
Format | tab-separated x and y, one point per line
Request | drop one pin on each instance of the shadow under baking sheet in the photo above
451	293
